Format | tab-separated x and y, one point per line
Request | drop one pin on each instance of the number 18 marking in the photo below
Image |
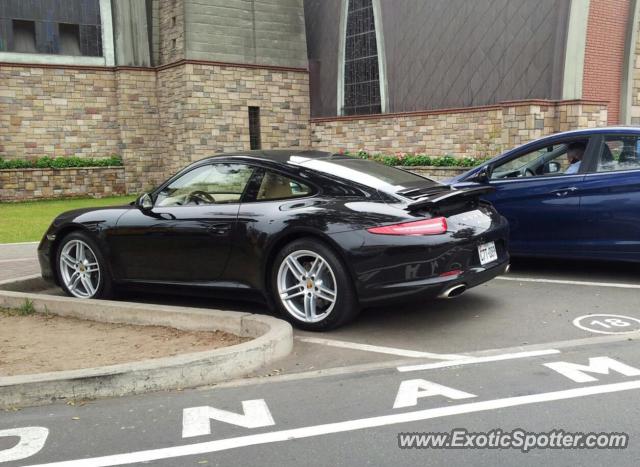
607	324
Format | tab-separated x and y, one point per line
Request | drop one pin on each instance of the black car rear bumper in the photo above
390	268
435	287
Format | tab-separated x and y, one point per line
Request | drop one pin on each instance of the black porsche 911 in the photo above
319	235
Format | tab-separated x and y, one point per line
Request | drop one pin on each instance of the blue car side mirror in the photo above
483	175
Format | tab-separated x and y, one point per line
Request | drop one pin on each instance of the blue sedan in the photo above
570	195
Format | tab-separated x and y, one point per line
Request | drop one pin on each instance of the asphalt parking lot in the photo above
535	304
334	395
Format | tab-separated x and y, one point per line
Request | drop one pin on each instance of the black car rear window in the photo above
368	173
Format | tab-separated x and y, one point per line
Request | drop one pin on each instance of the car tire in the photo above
319	291
81	267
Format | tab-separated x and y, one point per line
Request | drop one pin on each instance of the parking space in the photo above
18	260
500	314
523	308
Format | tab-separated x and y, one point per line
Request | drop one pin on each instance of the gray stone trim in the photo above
341	53
382	57
626	94
575	49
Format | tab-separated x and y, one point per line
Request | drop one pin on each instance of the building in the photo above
468	77
164	82
159	82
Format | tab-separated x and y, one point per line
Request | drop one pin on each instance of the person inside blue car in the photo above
575	151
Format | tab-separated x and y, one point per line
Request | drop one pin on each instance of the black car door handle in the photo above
563	191
222	228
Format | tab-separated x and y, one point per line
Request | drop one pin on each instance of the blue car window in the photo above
619	152
547	161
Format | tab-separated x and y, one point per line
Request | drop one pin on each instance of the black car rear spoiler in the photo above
449	195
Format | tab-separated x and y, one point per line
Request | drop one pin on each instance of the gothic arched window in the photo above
361	70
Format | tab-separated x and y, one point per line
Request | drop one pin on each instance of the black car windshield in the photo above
365	172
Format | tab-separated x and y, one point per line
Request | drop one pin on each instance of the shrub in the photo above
47	162
409	159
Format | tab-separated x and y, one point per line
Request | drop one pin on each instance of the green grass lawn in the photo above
27	222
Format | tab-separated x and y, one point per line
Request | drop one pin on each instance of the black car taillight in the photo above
435	226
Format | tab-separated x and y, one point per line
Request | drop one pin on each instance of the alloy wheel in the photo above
79	269
307	286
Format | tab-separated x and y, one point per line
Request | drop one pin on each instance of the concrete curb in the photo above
272	339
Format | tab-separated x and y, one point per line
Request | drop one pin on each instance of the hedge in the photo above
409	159
60	162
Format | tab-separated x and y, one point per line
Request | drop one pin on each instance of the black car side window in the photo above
276	186
208	184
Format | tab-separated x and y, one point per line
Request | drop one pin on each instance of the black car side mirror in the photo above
483	175
144	202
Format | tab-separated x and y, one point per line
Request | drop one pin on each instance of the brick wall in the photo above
475	132
604	54
29	184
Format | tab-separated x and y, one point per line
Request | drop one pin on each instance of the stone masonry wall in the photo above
157	120
475	132
29	184
83	112
57	112
141	139
435	173
204	109
171	30
161	119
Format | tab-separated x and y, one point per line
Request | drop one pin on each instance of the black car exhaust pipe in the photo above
454	291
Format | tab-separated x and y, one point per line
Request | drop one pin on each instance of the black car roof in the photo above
278	155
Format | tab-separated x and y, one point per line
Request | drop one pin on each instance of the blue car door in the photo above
610	198
539	198
543	214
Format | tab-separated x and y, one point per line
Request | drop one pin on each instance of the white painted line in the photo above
341	427
559	281
385	365
473	360
17	260
19	243
378	349
14	280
